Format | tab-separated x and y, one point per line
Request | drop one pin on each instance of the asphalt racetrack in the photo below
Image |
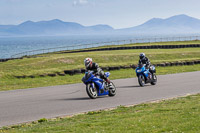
26	105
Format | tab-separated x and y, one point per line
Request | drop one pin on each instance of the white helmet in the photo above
87	62
142	55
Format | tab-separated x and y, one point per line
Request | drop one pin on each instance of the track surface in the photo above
20	106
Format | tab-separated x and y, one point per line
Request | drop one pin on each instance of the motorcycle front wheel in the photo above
154	79
91	91
141	80
112	90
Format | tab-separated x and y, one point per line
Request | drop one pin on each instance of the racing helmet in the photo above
87	62
142	55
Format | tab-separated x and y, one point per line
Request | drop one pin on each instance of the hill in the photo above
179	24
52	27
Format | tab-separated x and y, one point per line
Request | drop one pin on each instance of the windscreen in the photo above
140	65
86	77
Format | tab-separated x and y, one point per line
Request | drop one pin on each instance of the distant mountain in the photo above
53	27
179	24
100	27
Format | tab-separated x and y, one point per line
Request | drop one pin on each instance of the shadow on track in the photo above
128	86
81	98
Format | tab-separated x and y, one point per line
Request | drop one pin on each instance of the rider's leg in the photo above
105	78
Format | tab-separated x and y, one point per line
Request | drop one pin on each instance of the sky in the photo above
116	13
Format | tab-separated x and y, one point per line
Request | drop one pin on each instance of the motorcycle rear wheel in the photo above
92	92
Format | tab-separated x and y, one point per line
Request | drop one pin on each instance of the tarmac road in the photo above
26	105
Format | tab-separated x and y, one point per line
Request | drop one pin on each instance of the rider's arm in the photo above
147	61
86	70
139	62
98	69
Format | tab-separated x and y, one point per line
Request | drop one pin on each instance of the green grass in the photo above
177	115
180	115
164	43
11	83
54	63
149	44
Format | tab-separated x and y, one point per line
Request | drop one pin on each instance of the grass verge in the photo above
57	63
54	63
148	44
177	115
11	83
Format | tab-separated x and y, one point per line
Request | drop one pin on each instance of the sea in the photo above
13	45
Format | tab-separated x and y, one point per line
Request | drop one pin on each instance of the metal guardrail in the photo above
94	45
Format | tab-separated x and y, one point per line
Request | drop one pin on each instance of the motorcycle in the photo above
146	75
95	86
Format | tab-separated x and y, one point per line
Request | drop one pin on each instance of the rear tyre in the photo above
141	80
92	92
112	90
154	79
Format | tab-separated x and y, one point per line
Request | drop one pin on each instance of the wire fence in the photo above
94	45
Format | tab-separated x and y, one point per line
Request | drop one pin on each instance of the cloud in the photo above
80	2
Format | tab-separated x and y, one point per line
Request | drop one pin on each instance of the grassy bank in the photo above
53	63
151	44
179	115
159	43
11	83
57	63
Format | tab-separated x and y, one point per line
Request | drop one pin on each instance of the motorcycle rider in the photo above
144	60
89	65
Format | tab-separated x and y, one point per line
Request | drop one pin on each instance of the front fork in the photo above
92	85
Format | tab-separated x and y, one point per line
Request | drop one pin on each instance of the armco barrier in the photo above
52	74
122	48
99	44
137	47
82	70
78	47
70	72
77	71
111	68
7	59
61	74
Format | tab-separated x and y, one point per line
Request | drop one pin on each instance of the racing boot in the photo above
149	77
108	81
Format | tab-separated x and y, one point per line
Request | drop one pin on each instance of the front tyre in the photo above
112	90
91	91
141	80
154	79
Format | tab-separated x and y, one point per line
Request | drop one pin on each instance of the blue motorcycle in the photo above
95	86
146	75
